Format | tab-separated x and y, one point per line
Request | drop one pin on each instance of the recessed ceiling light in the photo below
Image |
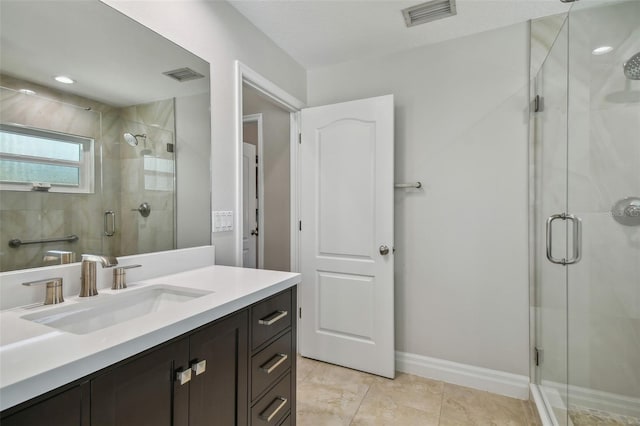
64	79
602	50
27	91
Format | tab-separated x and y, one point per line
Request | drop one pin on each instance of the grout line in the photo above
360	405
444	385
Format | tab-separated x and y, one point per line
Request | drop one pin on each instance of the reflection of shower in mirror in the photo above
132	139
632	67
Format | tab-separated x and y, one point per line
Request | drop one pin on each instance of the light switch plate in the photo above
222	221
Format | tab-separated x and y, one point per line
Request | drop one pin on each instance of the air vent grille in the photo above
429	11
183	74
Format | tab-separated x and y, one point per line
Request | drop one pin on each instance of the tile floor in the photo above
589	417
329	395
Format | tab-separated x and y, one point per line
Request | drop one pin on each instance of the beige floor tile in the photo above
305	366
407	400
530	410
389	415
335	375
319	418
464	406
408	391
326	404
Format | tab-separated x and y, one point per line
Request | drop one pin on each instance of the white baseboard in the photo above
598	400
507	384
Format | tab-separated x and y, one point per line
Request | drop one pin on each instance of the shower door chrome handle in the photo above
577	239
550	239
109	232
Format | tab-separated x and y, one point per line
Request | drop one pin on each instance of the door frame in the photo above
245	75
257	118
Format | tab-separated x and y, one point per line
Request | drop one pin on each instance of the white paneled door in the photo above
249	204
346	237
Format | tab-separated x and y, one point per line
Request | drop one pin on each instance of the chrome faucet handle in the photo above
54	289
120	276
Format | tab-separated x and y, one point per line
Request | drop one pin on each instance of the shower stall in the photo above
585	210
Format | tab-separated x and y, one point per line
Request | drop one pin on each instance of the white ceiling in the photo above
113	59
319	33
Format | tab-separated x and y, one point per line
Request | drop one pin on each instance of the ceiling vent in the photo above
429	11
183	74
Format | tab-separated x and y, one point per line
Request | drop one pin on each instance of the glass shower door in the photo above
550	186
604	178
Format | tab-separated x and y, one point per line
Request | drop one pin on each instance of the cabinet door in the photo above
67	408
219	393
143	392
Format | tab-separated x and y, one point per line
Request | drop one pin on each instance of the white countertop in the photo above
35	358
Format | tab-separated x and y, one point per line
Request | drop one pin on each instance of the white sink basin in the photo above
91	315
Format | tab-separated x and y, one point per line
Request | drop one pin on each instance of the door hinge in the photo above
538	355
300	312
256	159
299	137
538	104
299	225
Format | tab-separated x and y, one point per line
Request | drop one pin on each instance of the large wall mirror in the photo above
116	159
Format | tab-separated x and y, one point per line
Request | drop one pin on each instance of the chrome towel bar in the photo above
15	243
416	185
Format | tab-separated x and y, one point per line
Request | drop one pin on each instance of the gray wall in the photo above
193	171
461	242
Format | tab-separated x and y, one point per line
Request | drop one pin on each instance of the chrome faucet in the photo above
54	289
88	277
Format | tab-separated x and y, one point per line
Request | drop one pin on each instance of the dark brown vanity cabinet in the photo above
143	391
218	396
273	360
238	370
198	380
67	407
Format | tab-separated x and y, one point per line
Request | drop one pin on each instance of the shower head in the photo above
132	139
632	67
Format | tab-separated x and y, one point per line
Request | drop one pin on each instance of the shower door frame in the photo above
537	246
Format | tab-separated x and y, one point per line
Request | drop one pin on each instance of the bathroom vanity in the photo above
222	349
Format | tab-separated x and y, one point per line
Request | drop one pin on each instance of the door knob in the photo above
384	250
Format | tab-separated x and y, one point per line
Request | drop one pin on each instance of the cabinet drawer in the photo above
274	406
287	421
269	364
270	317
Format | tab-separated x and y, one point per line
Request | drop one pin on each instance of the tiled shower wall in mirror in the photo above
125	177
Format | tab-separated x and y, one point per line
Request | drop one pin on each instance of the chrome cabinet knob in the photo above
384	250
183	377
199	367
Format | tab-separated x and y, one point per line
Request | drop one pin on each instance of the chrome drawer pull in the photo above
268	417
272	318
199	367
275	363
183	377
